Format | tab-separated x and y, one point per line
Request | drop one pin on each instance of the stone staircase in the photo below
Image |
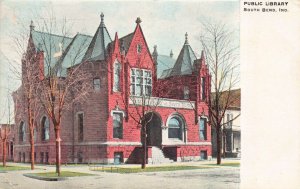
159	157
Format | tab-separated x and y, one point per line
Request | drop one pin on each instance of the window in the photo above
96	83
117	73
118	125
203	155
141	82
22	132
47	157
202	129
42	157
45	128
24	157
80	126
80	157
228	122
186	92
203	83
139	48
118	158
175	128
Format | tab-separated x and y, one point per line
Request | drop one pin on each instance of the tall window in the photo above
117	73
203	129
203	86
229	118
186	92
22	132
175	128
118	125
141	82
80	126
96	83
139	48
45	128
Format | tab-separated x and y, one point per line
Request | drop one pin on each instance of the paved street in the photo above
219	178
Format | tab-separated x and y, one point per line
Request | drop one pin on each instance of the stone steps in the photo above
158	156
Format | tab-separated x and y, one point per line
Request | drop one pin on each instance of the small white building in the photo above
231	143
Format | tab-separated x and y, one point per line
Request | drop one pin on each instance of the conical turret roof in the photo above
185	60
97	47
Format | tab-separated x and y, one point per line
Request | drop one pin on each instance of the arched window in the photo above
175	127
22	132
45	128
117	73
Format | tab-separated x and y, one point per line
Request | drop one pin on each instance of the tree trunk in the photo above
219	145
58	149
144	148
32	152
4	153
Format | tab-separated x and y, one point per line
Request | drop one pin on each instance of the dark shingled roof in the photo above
97	48
164	65
60	51
184	62
125	42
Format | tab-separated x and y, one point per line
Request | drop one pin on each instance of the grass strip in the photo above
62	174
147	169
13	168
232	164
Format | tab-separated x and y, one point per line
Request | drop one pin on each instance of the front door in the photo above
153	128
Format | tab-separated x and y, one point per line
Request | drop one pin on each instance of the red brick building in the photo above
7	131
128	82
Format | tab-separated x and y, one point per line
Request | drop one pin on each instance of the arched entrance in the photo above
153	122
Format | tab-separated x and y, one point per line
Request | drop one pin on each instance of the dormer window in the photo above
139	48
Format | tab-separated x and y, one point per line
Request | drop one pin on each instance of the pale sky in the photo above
164	23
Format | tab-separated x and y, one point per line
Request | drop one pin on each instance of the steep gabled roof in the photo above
74	52
185	60
164	65
52	45
97	47
125	42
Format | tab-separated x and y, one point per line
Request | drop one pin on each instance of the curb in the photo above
45	178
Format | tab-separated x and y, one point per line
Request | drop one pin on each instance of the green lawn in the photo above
147	169
62	174
233	164
13	168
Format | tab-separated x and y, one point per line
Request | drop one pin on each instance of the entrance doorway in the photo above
153	129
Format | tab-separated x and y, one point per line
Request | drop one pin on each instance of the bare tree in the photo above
63	83
5	131
221	55
141	100
29	75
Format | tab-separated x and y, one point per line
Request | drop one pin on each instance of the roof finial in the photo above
31	26
171	54
102	19
154	54
186	38
138	20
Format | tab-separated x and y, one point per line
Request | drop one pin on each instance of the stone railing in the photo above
161	102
